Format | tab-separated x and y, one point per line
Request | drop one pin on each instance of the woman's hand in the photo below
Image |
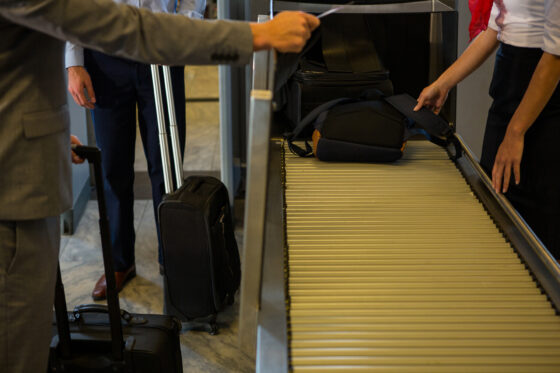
508	159
541	87
432	97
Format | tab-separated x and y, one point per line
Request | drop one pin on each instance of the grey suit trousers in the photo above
28	261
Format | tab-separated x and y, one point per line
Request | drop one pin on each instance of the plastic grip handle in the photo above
90	153
100	308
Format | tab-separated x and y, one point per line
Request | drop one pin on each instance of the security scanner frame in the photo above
486	299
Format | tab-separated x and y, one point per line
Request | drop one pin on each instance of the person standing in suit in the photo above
116	87
519	150
35	182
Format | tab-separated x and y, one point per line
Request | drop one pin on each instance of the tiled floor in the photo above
81	260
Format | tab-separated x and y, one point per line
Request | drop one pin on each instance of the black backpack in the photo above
372	129
339	60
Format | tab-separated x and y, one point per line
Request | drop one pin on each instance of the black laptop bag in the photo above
98	338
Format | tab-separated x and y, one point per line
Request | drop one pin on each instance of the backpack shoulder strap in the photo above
432	126
306	121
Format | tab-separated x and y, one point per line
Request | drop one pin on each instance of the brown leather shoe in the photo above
121	278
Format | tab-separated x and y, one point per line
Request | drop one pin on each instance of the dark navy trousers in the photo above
124	89
537	197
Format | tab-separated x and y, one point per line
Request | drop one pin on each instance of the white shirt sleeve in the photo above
492	21
191	8
73	56
552	27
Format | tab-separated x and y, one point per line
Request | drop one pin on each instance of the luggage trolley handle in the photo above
93	155
164	148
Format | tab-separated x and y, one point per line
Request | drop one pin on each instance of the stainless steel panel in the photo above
272	339
260	113
255	206
226	114
426	6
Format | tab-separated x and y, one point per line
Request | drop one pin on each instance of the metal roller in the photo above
399	267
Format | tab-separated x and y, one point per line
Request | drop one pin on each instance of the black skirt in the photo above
537	197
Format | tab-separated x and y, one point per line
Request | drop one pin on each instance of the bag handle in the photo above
93	155
82	309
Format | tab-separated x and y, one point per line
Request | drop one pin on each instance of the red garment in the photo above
480	14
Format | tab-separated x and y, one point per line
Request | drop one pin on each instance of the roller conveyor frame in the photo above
263	294
272	339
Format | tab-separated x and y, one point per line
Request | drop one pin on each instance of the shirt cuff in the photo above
74	55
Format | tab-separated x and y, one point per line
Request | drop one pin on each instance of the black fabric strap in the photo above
333	45
433	124
359	45
306	121
347	45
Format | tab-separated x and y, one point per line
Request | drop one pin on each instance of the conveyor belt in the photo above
398	267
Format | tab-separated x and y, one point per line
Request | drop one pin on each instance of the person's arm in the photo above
161	38
540	89
433	97
190	8
79	81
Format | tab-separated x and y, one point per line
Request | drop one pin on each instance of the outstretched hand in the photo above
508	160
78	81
286	32
432	97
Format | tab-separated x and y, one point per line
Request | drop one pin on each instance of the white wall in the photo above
473	99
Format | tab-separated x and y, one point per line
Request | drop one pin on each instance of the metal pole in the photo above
226	120
168	182
177	158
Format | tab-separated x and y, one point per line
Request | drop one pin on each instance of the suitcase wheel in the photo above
202	325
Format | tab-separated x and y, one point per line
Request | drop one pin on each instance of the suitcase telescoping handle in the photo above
93	155
164	148
62	317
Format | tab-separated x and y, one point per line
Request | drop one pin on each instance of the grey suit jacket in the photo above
34	122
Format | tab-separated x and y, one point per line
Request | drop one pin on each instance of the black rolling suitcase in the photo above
201	262
200	255
98	338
